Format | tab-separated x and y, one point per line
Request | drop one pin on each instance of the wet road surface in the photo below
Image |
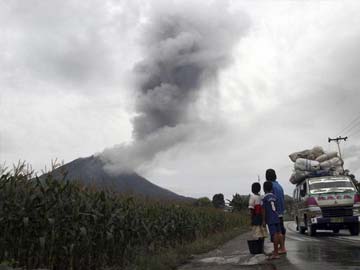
326	251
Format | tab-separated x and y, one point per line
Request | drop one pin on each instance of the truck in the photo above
327	203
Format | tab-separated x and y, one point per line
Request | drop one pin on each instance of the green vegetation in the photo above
289	208
218	200
239	202
63	225
203	202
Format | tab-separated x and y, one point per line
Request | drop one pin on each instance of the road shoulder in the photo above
232	255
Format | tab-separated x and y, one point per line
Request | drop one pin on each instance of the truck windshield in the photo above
330	185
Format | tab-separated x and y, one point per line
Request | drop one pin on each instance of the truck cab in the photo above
327	203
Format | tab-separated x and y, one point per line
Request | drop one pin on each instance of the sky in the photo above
254	82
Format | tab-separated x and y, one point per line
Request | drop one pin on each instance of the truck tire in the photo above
297	224
311	230
302	229
336	230
354	229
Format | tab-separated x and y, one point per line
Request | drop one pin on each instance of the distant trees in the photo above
218	200
289	207
239	202
356	182
203	202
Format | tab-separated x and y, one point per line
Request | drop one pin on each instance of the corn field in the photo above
62	225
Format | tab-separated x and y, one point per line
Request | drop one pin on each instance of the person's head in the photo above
267	186
255	188
270	175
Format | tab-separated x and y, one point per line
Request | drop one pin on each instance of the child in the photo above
258	231
271	218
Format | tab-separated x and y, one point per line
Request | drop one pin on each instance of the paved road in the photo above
326	251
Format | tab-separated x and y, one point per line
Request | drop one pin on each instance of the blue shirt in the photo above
279	193
269	205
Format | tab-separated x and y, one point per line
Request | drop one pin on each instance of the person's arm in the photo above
274	202
273	206
263	216
251	205
282	202
280	198
263	213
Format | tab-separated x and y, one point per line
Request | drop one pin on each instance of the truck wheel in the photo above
302	229
336	230
311	230
297	224
354	229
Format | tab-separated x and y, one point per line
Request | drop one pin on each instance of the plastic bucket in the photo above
256	246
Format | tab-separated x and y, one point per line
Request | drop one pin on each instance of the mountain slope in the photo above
90	171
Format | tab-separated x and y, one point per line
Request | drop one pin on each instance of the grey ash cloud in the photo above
185	46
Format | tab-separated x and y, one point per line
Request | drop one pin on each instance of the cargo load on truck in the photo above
315	162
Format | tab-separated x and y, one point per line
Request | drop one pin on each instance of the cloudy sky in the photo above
254	81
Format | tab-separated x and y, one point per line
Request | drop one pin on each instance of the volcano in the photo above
90	171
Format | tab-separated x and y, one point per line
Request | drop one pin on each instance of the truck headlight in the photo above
315	211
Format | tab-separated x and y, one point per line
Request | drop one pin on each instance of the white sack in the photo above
339	170
302	154
298	176
317	151
303	164
312	154
326	156
332	163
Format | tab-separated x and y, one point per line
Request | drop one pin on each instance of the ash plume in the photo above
184	49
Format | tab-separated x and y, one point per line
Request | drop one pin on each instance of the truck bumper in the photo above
322	220
335	222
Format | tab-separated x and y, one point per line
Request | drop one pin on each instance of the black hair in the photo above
267	186
255	188
270	175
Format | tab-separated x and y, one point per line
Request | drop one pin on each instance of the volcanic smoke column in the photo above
184	49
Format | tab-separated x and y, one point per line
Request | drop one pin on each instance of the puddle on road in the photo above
254	259
222	260
238	259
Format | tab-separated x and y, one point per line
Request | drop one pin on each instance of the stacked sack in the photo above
315	162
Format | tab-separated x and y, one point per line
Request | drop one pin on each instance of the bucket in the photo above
256	246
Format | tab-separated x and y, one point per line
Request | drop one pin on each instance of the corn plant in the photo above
57	224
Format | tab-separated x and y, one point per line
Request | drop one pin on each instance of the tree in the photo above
203	202
356	182
238	202
218	200
289	207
